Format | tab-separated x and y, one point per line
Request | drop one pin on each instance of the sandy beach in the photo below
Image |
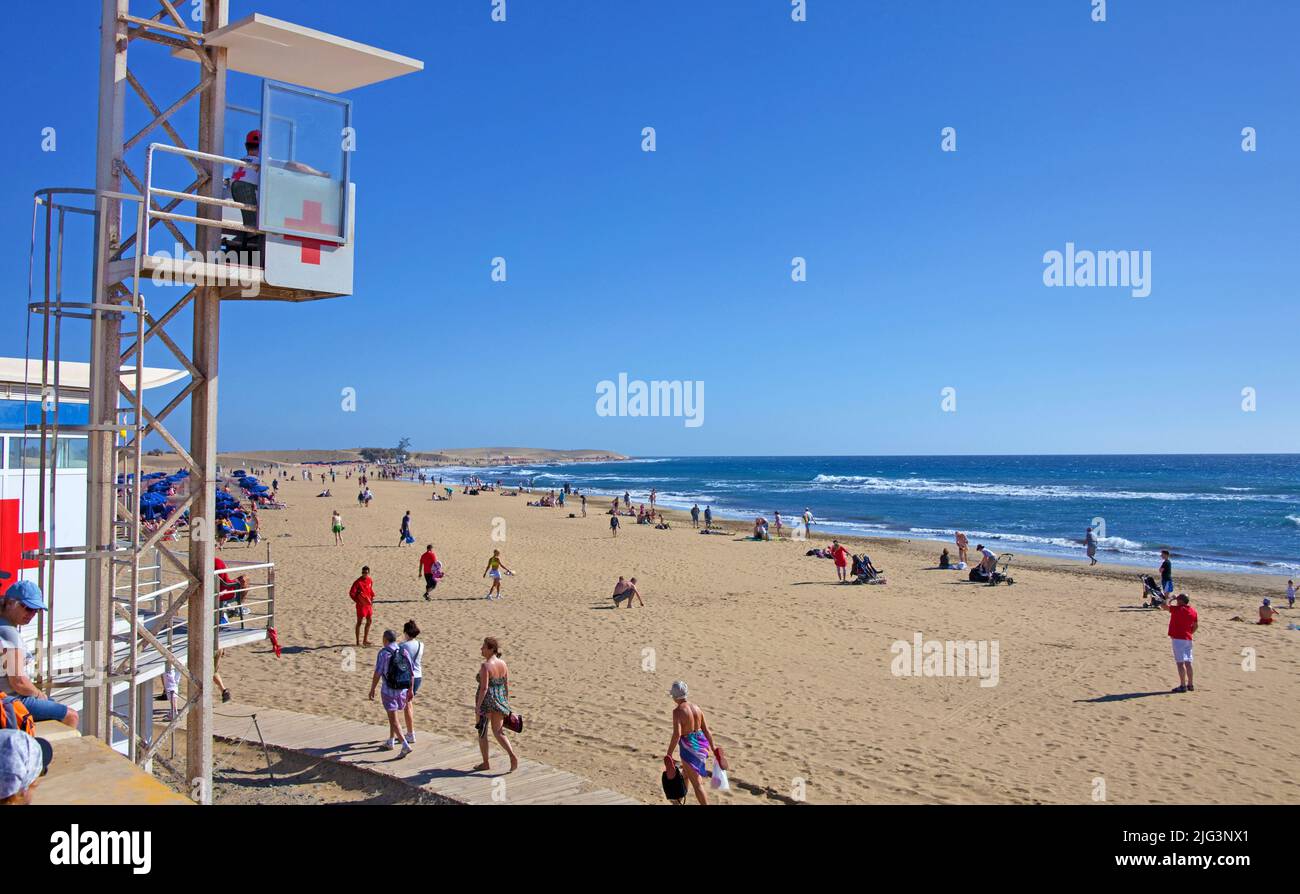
792	669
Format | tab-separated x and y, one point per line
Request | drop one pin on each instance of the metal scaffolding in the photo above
119	420
134	623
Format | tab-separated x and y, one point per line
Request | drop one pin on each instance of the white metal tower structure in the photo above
302	225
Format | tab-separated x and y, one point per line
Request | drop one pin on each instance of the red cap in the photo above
254	138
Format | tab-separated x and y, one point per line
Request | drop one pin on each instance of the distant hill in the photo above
460	456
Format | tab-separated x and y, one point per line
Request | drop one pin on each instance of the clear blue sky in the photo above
775	139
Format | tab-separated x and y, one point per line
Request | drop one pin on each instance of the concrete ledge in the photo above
55	732
87	771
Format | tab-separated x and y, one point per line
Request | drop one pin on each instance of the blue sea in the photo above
1215	512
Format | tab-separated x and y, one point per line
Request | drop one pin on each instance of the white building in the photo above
23	526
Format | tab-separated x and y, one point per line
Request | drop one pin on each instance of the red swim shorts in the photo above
365	610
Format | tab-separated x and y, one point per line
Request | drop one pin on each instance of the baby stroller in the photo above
864	572
1152	595
998	575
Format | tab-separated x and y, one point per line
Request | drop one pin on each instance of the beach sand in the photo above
792	670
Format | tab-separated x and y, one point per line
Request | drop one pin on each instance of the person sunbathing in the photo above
1267	614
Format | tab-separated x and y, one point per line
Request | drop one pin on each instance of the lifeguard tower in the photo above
169	232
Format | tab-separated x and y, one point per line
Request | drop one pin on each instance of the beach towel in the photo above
694	751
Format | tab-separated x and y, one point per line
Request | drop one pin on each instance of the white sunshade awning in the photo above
282	51
75	376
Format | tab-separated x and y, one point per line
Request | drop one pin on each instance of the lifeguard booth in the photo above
169	232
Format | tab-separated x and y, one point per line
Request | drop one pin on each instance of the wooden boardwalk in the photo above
439	765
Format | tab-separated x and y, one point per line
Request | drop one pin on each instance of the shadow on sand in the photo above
1119	697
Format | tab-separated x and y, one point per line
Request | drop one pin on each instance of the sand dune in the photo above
460	456
793	670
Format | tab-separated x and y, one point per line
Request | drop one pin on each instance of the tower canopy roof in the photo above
282	51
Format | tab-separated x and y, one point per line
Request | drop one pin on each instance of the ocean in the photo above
1214	512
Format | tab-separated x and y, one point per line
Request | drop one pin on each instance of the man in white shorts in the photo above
1182	626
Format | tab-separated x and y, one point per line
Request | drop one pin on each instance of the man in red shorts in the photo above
427	561
363	594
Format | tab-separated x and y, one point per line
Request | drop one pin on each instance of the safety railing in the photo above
197	198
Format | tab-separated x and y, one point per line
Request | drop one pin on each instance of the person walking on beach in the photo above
694	741
1182	625
627	500
427	560
1290	594
494	568
807	522
626	590
708	517
396	683
584	505
362	593
613	525
492	703
962	545
776	522
1090	543
1166	573
695	516
414	648
653	493
841	557
404	535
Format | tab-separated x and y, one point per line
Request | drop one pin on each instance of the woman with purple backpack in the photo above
395	678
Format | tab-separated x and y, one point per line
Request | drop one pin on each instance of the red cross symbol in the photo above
311	221
13	543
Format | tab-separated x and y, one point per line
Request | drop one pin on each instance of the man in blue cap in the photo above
18	606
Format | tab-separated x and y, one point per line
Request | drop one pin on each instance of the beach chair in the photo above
240	531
